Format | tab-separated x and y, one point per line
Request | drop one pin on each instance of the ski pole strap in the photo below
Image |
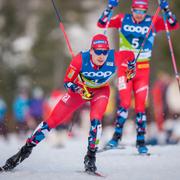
88	94
108	21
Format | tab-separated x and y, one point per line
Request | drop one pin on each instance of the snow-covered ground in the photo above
50	163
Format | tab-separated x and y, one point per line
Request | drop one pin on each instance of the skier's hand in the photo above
169	15
73	87
86	95
164	5
106	13
131	70
113	3
77	89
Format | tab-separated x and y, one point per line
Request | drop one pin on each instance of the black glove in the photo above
73	87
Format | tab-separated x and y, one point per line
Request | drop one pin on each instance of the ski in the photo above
109	148
2	169
143	154
92	173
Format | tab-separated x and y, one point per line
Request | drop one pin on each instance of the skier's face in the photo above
139	14
99	56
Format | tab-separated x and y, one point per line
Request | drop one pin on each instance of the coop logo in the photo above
138	29
97	74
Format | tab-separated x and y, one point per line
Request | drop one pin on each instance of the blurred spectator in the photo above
3	111
59	135
173	123
51	101
21	111
36	107
173	98
110	114
159	99
165	95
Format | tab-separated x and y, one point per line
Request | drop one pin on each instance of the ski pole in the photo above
171	48
147	34
59	17
146	37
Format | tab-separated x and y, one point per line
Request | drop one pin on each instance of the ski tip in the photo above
93	173
70	134
110	148
99	174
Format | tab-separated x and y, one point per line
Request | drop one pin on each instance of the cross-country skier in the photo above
132	31
93	69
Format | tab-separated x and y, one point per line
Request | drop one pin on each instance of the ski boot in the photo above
141	147
89	162
16	159
113	143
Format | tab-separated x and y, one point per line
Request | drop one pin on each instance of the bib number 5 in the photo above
135	43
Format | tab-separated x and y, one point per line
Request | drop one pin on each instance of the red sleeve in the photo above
115	22
159	25
123	57
73	69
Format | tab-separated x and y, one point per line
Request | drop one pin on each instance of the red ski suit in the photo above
72	101
140	83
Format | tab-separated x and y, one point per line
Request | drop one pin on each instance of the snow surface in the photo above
50	163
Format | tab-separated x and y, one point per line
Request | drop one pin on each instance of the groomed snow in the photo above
50	163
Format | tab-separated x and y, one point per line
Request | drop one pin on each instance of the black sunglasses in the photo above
99	52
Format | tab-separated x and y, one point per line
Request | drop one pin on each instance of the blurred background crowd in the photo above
34	56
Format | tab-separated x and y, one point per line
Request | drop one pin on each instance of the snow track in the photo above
49	163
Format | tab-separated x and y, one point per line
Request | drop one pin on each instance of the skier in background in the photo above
132	31
94	68
3	114
21	111
58	136
36	105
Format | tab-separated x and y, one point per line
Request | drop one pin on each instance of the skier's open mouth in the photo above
100	60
